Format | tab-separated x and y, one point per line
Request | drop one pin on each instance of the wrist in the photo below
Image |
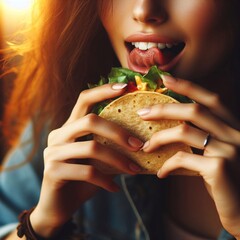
42	226
41	230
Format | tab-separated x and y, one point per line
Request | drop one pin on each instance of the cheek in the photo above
197	18
103	11
112	13
115	19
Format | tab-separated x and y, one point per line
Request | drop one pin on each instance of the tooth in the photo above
152	45
143	46
161	45
148	45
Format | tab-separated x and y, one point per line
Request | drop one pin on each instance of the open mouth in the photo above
143	55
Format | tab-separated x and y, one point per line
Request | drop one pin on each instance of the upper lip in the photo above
143	37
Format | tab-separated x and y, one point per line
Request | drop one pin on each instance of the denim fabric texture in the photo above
106	216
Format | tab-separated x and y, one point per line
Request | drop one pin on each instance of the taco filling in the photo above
151	81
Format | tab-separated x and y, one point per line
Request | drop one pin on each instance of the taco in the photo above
142	91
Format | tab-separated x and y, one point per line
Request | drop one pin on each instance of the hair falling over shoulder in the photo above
64	49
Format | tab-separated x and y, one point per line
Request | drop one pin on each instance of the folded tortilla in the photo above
123	111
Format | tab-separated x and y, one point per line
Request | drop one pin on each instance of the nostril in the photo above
149	13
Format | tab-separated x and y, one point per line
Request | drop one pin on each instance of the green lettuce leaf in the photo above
153	78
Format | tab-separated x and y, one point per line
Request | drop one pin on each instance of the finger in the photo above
92	150
203	165
196	114
182	133
60	172
200	95
93	124
216	173
193	137
90	97
217	148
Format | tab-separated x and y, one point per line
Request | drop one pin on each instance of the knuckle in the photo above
196	110
89	173
49	154
219	165
52	136
46	152
51	171
93	146
183	130
180	156
215	100
83	95
233	152
91	119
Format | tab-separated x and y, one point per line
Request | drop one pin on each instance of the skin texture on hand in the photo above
69	177
219	165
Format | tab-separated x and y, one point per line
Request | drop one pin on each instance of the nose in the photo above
149	11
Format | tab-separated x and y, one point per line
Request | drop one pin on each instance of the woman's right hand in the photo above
69	179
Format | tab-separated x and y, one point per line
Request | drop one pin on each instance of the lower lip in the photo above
167	67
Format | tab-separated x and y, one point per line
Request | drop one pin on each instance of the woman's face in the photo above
189	38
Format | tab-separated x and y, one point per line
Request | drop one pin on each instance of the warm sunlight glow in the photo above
20	5
15	15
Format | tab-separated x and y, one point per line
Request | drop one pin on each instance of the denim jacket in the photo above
131	214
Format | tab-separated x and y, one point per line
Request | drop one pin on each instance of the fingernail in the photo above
135	168
168	79
159	175
146	144
119	86
143	111
134	142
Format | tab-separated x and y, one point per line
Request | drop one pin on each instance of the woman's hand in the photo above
219	165
69	178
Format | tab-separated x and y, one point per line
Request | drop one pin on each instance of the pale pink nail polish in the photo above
143	111
119	86
134	142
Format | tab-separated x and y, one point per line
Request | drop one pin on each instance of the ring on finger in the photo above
206	140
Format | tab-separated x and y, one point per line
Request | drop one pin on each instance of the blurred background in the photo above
13	16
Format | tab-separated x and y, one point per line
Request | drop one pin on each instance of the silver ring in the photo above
206	140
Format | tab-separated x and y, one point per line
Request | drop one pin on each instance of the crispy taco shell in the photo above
123	111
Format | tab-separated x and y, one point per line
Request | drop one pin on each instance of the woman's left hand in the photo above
219	165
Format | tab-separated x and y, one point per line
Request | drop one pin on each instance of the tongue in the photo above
152	56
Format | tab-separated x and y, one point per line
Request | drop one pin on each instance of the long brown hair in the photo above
65	49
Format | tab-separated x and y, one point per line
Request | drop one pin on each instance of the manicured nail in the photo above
168	79
134	142
146	144
119	86
135	168
143	111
